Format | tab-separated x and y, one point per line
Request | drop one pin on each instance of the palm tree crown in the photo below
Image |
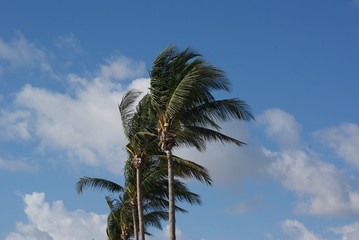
181	85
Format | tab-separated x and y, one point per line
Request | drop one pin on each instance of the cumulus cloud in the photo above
321	186
52	221
281	126
83	122
344	140
87	125
297	231
21	53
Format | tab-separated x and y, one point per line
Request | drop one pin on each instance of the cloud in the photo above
164	234
21	53
83	122
344	140
14	125
281	126
297	231
16	166
228	163
119	68
348	232
52	221
68	43
322	188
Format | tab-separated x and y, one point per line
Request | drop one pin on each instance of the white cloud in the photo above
281	126
228	163
14	125
164	235
16	166
321	187
344	140
21	53
83	122
297	231
52	221
348	232
120	68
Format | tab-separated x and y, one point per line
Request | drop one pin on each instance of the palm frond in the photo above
219	110
127	109
212	135
98	184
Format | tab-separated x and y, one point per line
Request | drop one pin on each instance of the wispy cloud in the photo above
348	232
16	166
14	125
21	53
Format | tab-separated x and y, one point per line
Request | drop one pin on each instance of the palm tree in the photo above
140	129
181	85
119	221
123	217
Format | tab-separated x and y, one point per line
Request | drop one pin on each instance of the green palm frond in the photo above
207	114
211	135
98	184
155	218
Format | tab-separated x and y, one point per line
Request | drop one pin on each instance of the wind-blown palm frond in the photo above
219	110
127	109
98	184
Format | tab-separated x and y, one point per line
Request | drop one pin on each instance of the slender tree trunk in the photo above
171	207
139	204
134	217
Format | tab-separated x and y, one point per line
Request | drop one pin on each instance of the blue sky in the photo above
65	65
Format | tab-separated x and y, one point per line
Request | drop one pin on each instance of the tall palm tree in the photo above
181	85
139	126
139	131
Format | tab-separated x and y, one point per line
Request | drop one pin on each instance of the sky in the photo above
64	66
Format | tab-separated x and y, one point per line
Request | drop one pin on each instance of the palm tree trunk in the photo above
171	207
134	217
139	204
